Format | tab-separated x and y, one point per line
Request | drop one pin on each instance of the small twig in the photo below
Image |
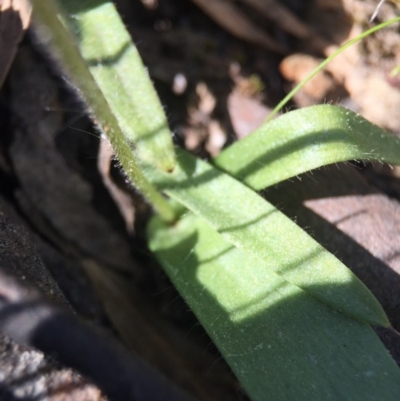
28	318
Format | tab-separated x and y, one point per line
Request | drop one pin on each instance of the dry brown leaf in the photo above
298	66
378	100
247	114
14	19
228	16
286	20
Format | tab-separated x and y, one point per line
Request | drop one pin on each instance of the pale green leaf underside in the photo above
252	224
305	139
117	68
281	343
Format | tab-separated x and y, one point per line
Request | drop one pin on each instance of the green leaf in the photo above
280	342
252	224
303	140
117	68
107	94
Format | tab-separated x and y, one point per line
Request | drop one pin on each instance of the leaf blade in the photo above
54	34
118	70
252	224
303	140
277	339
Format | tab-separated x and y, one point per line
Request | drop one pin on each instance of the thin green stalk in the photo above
45	14
351	42
395	71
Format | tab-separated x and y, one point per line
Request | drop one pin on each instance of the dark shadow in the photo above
383	179
109	61
217	255
350	216
249	223
7	394
393	256
77	6
326	182
11	33
93	353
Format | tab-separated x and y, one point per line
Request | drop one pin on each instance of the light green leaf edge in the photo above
281	343
252	224
305	139
157	148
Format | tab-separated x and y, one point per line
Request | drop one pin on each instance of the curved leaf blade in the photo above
305	139
279	245
280	342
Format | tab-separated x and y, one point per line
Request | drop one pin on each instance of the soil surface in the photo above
72	228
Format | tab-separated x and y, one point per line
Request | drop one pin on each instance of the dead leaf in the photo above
14	19
287	21
298	66
246	114
228	16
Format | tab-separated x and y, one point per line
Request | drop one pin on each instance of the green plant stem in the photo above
394	72
351	42
50	28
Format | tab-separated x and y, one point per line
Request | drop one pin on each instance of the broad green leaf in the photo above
280	342
115	110
303	140
252	224
117	68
